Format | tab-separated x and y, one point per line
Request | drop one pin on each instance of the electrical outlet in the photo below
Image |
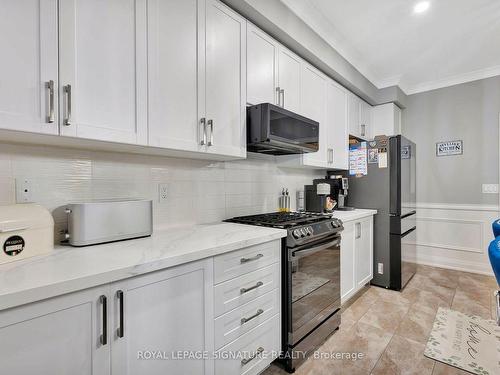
24	191
490	188
162	193
381	268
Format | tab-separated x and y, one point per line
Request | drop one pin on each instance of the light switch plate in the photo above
380	269
162	192
490	188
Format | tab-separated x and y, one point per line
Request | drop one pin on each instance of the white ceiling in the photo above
454	41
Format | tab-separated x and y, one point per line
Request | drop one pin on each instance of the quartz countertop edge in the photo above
356	214
69	269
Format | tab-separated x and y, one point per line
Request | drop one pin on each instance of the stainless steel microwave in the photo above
277	131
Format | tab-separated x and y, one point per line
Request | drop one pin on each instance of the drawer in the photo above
239	262
230	326
264	339
238	291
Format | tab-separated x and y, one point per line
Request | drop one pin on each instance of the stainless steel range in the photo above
310	280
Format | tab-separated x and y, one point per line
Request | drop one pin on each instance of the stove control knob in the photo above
309	231
335	224
296	233
303	232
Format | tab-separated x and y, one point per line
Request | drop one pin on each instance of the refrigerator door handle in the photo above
408	214
408	232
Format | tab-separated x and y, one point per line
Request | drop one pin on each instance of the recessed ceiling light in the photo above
421	6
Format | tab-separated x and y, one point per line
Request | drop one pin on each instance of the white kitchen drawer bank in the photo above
236	263
236	292
233	324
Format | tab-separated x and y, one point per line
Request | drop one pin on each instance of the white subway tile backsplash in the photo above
198	191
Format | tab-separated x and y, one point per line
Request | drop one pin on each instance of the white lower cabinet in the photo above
57	336
356	256
163	322
168	311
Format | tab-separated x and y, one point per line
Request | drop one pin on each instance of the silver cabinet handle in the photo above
245	320
358	230
278	101
120	332
50	86
282	92
363	130
245	260
244	361
204	127
67	91
246	290
211	139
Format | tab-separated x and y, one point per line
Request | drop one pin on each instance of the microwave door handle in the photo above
302	253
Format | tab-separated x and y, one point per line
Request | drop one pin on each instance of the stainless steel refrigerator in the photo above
390	187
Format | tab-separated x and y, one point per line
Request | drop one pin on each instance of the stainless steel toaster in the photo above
97	222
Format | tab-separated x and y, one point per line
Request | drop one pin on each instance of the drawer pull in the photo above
245	290
244	361
245	320
246	260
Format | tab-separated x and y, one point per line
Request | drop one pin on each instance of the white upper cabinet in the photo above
386	119
289	70
173	62
366	120
338	132
103	69
28	78
225	81
359	117
313	106
262	67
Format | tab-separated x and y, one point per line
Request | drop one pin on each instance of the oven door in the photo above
314	286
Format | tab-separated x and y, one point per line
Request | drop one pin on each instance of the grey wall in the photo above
469	112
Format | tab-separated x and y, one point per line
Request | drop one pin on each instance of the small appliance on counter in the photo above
26	230
97	222
335	199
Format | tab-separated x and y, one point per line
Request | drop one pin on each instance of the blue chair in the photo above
494	254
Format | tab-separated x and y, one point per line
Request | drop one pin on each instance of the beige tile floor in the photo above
391	328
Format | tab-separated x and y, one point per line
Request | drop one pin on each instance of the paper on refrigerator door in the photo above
382	159
358	165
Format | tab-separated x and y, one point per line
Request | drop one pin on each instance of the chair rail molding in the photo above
455	236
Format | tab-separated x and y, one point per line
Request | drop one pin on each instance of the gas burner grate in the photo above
282	219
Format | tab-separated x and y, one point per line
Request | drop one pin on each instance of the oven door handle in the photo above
302	253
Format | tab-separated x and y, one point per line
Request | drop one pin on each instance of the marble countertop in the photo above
70	269
356	214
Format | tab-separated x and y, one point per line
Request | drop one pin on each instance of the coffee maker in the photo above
339	187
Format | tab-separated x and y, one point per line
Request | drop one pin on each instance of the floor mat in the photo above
467	342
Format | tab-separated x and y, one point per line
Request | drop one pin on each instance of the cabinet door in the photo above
225	77
338	132
262	67
364	251
313	100
289	67
173	28
347	265
57	336
103	70
354	115
365	120
28	64
168	311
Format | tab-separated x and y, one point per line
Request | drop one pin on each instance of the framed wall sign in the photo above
449	148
